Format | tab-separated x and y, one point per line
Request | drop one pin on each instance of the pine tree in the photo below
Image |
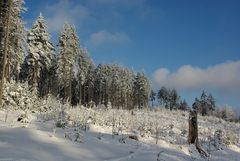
173	99
164	96
83	67
16	41
196	105
128	85
114	84
40	55
115	77
99	84
141	90
184	105
228	114
68	48
206	104
152	97
90	78
5	15
211	102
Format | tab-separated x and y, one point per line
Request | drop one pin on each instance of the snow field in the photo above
87	134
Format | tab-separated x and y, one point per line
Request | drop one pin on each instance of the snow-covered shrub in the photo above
218	139
74	134
231	138
62	118
160	124
20	96
49	103
24	117
56	111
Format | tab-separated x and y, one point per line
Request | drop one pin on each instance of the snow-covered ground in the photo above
41	140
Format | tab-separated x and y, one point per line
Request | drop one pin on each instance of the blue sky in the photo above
189	45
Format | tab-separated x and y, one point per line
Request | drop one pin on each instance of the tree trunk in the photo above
65	97
7	71
17	74
35	75
89	93
84	94
5	18
80	93
70	86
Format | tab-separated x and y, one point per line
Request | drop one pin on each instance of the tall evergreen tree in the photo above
13	35
40	55
16	40
141	90
115	84
211	102
152	97
99	84
89	83
128	86
173	99
68	48
196	105
183	105
206	104
5	14
228	114
83	67
164	96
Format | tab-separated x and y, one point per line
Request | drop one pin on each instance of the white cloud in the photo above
57	13
107	38
224	77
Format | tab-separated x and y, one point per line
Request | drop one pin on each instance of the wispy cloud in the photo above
224	77
99	12
107	38
64	10
140	8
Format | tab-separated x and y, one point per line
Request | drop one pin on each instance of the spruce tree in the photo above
206	104
16	40
163	96
183	105
40	55
211	103
83	67
68	49
89	83
5	10
114	84
173	99
152	97
141	90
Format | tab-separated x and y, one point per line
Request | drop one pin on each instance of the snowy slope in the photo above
42	141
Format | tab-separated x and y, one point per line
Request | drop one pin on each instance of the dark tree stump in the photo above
193	133
193	127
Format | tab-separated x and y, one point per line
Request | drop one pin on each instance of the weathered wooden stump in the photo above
193	133
193	127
